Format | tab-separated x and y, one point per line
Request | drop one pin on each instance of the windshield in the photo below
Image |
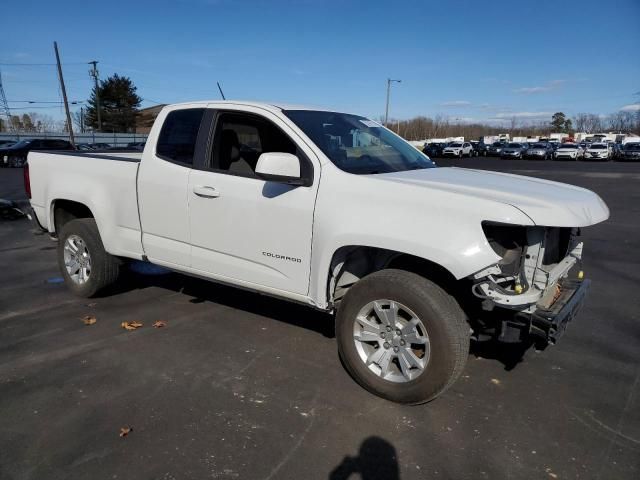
455	144
538	145
567	146
632	146
21	143
358	145
497	144
514	145
598	147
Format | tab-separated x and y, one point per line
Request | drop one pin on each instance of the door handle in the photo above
205	191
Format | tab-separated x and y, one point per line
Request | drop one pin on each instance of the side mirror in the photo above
279	167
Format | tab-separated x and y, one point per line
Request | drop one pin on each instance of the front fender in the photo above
362	211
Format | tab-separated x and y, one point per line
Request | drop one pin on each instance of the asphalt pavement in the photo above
241	386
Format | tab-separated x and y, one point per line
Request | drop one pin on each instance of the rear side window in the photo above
177	141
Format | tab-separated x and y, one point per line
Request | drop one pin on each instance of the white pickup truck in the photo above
334	211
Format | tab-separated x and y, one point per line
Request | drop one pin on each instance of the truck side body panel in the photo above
106	187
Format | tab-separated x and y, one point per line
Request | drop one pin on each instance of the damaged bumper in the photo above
548	324
532	285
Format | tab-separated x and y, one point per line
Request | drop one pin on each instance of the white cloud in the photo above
634	107
456	103
552	85
509	115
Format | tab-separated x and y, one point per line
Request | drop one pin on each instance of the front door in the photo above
244	228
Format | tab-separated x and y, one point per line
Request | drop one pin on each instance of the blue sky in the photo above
466	60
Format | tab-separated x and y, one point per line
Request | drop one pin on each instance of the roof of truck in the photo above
266	105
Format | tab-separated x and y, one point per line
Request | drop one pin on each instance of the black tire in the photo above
442	317
105	268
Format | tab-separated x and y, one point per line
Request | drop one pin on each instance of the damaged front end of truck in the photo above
538	283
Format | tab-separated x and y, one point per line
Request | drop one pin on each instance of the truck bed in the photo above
103	181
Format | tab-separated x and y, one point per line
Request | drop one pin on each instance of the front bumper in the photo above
547	325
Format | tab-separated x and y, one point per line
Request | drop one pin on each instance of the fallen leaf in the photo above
124	431
93	304
495	381
135	324
160	324
89	319
130	326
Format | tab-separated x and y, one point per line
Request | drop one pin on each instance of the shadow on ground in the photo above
376	460
140	277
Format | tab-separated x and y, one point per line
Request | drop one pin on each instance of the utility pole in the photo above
386	112
64	96
94	73
82	119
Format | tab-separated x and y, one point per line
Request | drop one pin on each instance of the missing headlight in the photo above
508	242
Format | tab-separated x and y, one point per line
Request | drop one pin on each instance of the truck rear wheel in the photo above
85	265
401	336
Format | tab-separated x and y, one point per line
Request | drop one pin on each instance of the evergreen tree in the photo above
118	105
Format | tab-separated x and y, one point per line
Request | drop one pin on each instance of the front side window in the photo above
177	140
240	139
358	145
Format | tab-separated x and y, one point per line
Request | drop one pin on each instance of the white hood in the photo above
547	203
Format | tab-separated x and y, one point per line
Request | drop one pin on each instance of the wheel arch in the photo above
63	211
350	263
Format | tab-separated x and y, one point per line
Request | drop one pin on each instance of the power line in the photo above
43	101
153	101
38	64
33	108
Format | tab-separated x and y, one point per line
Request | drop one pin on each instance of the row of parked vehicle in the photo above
14	154
538	150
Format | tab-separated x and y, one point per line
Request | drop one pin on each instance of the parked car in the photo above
539	151
458	149
513	150
569	151
496	148
474	148
616	151
433	150
199	202
102	146
598	151
481	148
84	146
16	154
136	146
631	152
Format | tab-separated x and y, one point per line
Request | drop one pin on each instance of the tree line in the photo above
440	126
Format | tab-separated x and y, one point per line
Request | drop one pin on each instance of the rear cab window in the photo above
177	139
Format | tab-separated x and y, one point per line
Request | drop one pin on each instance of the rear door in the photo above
163	179
245	228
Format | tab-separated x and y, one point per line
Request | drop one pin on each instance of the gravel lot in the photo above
242	386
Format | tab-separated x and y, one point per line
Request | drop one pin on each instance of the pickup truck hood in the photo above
545	202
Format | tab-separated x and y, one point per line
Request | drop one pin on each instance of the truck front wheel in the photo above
85	265
401	336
